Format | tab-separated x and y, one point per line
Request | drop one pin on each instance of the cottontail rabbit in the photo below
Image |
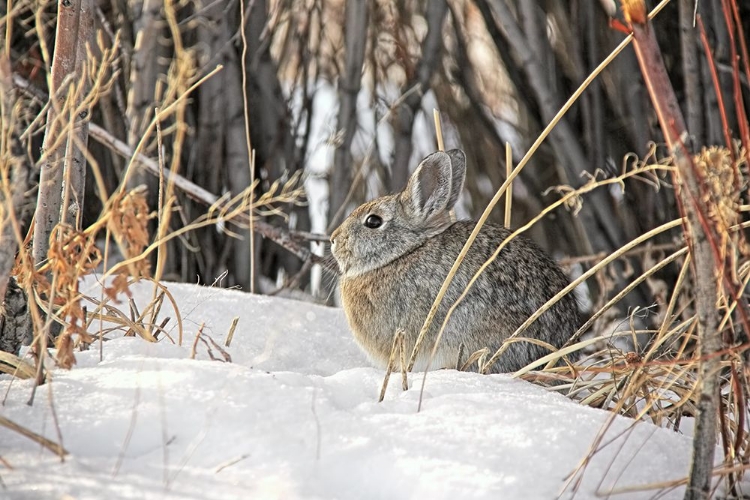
395	252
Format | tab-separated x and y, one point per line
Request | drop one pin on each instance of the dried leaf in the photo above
64	344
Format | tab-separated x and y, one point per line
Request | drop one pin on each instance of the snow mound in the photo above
295	416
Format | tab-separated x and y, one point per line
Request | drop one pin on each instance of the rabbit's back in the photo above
398	296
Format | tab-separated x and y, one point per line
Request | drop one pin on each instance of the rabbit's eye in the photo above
373	221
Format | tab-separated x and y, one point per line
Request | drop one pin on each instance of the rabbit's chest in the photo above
378	305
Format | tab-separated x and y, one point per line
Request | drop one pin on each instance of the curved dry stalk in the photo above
454	269
679	376
733	305
220	213
671	376
137	325
15	366
495	199
37	438
178	315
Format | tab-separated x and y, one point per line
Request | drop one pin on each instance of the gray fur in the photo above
392	274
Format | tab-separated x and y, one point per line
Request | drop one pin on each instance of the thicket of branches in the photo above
497	71
224	110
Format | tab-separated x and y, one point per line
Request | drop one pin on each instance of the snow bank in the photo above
295	416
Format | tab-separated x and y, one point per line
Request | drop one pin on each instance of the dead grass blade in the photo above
43	441
15	366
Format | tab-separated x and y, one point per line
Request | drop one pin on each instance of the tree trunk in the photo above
691	70
74	181
145	68
349	85
407	110
51	175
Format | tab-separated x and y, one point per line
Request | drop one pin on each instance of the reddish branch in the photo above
708	262
733	22
715	79
746	66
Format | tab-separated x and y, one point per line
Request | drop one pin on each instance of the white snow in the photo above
295	415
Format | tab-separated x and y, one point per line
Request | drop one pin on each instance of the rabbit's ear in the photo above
428	192
458	170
